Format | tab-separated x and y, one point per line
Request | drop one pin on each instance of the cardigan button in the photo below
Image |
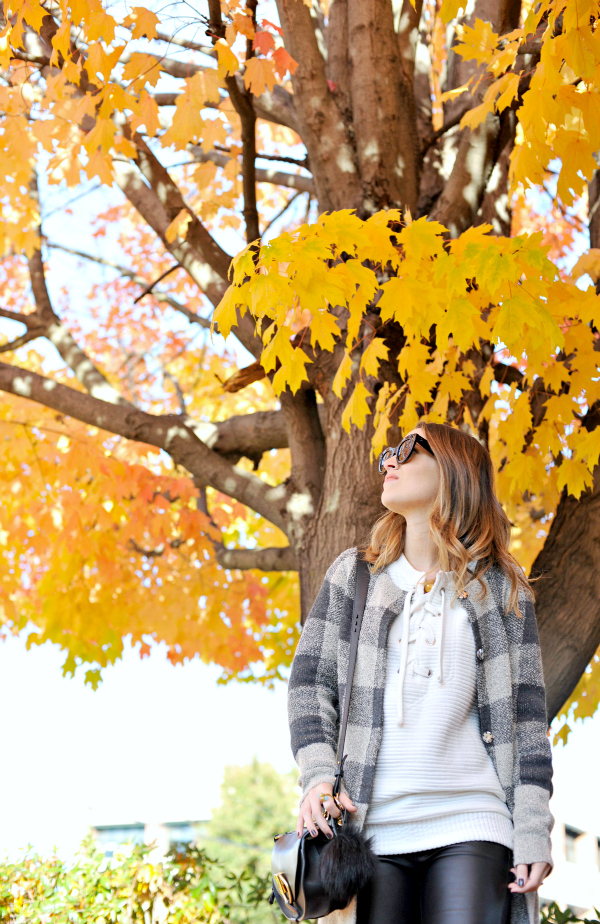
480	654
488	737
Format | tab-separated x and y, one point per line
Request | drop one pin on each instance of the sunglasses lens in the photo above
385	455
405	449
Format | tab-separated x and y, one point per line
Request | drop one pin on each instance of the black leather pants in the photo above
460	884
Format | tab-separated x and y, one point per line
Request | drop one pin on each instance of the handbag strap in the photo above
358	609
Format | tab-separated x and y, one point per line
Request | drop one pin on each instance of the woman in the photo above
448	766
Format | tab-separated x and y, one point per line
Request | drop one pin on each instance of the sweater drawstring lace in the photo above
410	608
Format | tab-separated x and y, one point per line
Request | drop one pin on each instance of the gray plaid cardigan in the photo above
510	698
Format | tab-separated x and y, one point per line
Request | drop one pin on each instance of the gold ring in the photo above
324	796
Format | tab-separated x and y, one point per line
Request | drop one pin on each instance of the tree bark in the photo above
383	117
350	501
326	136
567	594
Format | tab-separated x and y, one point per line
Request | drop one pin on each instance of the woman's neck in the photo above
419	548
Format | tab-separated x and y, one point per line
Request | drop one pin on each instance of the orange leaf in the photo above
143	22
259	75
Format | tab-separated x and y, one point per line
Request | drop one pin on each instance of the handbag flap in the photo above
285	861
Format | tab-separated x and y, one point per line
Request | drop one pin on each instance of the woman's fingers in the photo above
317	813
311	812
528	879
347	802
521	874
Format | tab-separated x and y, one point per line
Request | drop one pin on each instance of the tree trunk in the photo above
567	598
349	505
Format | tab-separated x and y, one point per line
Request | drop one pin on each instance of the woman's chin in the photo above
391	503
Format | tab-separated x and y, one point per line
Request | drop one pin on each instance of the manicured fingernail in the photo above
329	836
314	833
521	883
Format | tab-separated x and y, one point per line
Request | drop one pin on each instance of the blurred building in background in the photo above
161	834
575	880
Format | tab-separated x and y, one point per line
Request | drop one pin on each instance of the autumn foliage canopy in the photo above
298	284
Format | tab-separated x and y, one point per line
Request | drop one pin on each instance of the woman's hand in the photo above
528	878
310	812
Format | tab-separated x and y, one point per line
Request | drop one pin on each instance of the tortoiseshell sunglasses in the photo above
404	450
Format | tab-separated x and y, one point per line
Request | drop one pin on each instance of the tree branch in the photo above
150	287
383	113
184	43
260	155
276	106
272	559
478	149
330	149
180	438
242	103
263	175
198	253
159	203
29	320
135	277
450	123
54	330
307	445
21	341
248	435
408	37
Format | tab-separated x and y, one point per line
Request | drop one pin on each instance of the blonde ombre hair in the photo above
467	522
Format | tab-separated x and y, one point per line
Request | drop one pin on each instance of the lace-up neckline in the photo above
420	627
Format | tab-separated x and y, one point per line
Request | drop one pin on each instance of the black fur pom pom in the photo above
346	865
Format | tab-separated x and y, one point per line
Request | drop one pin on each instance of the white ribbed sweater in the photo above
435	783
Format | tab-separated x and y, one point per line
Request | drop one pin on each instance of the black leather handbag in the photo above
313	876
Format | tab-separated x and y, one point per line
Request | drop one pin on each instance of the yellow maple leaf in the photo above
357	409
100	25
459	321
477	42
422	239
225	314
141	69
586	444
376	352
324	330
98	61
292	372
101	136
243	23
99	165
179	226
259	75
450	9
588	263
148	114
143	22
227	60
344	371
575	476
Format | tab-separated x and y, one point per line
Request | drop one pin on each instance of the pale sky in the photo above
151	743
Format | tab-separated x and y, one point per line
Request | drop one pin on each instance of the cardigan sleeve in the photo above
313	707
532	781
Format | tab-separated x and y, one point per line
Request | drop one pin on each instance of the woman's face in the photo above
412	486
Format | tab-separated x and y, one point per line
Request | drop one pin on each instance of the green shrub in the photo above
553	915
186	887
